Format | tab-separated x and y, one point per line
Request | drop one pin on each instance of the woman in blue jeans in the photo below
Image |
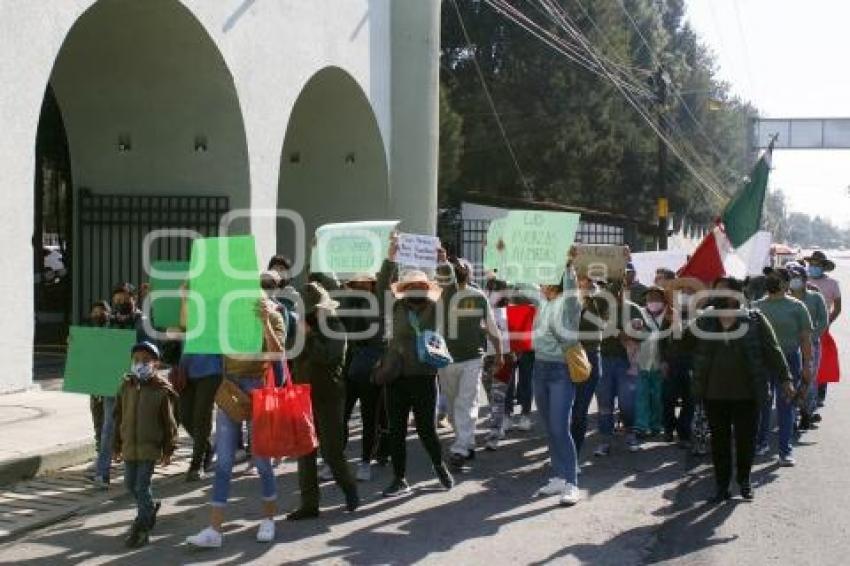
248	373
555	330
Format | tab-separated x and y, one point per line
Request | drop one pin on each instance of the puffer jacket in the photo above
764	356
145	427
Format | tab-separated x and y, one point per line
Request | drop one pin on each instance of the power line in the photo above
558	14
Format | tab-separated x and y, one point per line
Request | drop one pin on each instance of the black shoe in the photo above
805	422
352	501
747	492
816	418
721	496
459	463
140	539
131	536
301	514
470	455
398	487
446	479
668	437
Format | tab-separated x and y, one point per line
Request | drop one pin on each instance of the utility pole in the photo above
659	81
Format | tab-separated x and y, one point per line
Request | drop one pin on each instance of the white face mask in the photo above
796	284
143	371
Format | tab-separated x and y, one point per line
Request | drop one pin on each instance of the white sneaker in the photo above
208	538
556	486
570	496
364	471
266	531
523	423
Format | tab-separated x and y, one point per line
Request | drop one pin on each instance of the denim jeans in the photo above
615	383
137	480
226	438
785	409
554	394
521	390
648	405
812	396
583	397
107	433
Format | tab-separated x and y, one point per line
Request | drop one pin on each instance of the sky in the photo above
789	58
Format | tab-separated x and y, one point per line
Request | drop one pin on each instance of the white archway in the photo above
150	109
333	166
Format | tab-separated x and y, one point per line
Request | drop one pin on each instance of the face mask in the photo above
796	284
655	307
144	371
815	271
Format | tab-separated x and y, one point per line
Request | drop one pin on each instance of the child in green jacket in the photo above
145	433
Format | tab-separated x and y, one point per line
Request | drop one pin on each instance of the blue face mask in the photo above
144	371
815	271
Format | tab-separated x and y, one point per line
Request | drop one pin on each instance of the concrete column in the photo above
415	45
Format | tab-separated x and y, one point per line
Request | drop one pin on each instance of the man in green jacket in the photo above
321	365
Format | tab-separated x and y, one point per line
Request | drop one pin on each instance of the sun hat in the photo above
362	278
317	297
820	258
416	282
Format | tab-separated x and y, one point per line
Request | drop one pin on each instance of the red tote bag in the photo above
828	371
282	419
520	325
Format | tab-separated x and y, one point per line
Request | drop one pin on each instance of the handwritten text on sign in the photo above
530	246
415	250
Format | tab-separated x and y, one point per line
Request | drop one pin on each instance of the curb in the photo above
34	465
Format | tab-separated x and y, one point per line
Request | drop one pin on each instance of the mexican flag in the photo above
736	242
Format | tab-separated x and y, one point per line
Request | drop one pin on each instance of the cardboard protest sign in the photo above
224	291
351	247
415	250
530	246
601	261
97	360
167	277
646	263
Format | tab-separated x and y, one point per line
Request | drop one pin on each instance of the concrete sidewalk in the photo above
43	431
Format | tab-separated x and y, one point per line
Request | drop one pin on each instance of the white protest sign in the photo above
647	262
416	250
351	247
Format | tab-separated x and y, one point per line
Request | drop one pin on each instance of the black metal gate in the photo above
112	229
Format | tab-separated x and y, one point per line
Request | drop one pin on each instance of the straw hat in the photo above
362	278
416	282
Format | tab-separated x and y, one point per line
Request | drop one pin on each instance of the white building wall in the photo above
272	49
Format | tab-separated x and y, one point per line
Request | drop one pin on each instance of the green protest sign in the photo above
97	359
530	246
224	289
351	247
166	277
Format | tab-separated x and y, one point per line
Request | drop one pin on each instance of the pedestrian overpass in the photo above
800	133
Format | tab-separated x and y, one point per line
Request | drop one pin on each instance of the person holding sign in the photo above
414	388
247	372
556	330
470	324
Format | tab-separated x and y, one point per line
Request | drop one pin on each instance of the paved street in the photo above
643	508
